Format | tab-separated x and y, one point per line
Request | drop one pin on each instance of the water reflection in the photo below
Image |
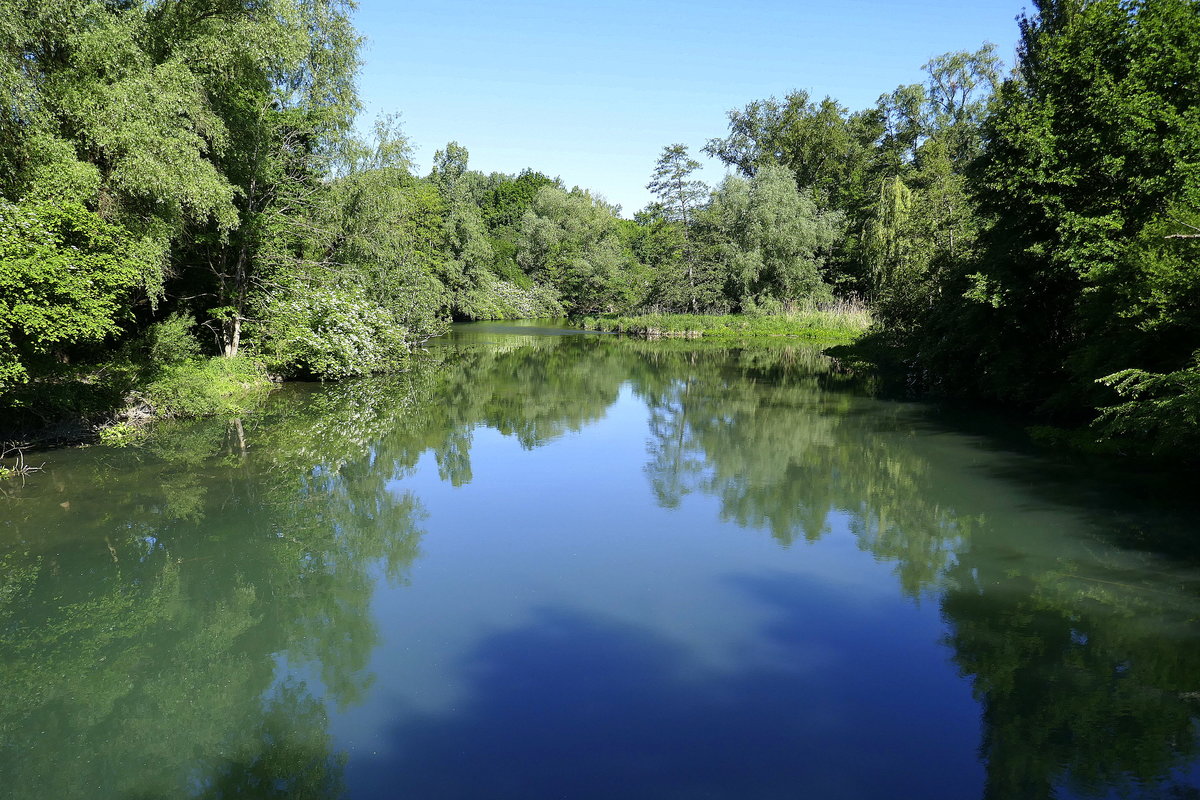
608	709
1083	654
178	620
148	597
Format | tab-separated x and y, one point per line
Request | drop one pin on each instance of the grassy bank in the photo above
838	324
113	402
201	388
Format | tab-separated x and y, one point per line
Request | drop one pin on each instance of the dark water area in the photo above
581	566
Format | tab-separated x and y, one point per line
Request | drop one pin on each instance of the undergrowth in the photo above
840	323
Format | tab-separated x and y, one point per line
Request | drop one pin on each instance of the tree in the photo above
679	196
773	238
449	166
367	271
571	242
1082	179
961	85
66	278
672	183
822	144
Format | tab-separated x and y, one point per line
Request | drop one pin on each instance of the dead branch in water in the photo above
16	451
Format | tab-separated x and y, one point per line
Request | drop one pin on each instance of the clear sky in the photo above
591	92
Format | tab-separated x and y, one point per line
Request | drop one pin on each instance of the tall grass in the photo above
835	321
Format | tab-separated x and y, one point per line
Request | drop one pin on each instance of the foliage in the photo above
1026	241
329	333
1161	413
837	325
494	298
1085	187
770	237
679	280
122	434
171	341
206	387
571	242
504	204
65	279
820	143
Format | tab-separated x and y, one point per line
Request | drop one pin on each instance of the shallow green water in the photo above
585	567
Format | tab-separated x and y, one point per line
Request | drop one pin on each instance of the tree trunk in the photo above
233	336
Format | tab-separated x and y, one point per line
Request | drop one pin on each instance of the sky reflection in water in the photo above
589	567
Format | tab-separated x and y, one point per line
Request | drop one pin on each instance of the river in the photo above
551	565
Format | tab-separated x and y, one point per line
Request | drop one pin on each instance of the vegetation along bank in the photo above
186	208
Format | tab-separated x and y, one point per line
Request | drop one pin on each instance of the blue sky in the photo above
591	92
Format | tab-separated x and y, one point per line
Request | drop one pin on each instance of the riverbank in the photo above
837	325
115	402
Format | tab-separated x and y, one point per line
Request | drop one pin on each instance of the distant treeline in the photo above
185	175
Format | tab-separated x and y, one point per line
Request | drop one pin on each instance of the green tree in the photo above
822	144
772	238
66	278
960	88
679	197
1082	181
672	182
571	242
449	166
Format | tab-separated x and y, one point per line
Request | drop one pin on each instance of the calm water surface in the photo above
566	566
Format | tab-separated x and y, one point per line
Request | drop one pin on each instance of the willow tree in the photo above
771	237
198	128
884	240
571	241
292	65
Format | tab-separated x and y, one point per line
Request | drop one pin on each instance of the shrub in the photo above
202	388
171	341
122	434
330	333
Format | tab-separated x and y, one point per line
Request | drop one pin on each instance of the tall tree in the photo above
1084	178
449	166
774	238
672	183
679	196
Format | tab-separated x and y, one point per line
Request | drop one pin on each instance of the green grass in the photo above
207	387
114	400
839	324
193	388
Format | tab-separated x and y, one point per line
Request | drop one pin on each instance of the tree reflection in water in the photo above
173	619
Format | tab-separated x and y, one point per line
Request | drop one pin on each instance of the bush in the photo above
171	341
122	434
330	333
203	388
500	299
